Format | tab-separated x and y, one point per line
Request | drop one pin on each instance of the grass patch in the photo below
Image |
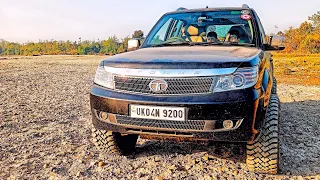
298	69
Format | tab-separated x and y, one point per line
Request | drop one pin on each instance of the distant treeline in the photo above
111	46
304	39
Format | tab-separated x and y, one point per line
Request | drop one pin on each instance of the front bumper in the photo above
205	113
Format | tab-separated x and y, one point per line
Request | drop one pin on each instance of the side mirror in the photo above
133	44
276	43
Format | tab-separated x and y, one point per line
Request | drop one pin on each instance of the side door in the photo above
266	65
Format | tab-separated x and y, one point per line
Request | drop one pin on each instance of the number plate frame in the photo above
161	108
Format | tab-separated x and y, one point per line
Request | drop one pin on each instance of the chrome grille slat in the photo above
198	85
181	125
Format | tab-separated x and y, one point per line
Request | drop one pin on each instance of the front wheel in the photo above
263	155
114	143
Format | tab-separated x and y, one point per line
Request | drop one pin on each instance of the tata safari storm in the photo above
200	74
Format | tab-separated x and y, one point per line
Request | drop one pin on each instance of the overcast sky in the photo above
31	20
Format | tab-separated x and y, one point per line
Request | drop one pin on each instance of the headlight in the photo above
104	78
241	79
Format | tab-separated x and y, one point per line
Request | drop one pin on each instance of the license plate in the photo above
158	112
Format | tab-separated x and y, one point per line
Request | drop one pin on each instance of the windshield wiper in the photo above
207	43
242	44
172	44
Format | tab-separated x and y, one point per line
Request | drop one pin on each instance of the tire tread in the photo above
263	154
112	143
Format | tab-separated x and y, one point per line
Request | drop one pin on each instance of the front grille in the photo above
197	85
174	125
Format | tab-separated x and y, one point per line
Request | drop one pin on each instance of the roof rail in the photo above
245	6
181	9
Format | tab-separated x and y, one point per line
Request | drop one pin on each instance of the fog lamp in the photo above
103	115
228	124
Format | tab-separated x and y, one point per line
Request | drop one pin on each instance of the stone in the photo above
235	172
158	178
205	157
101	164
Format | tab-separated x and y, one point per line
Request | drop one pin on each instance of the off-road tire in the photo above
263	154
274	86
114	143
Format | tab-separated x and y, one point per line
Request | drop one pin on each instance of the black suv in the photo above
200	74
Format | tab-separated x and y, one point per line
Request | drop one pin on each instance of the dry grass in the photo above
297	69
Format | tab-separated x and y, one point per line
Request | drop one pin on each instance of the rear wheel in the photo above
263	155
114	143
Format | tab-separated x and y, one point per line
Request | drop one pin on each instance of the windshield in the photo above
218	27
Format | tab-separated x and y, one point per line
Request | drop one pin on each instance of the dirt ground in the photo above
45	131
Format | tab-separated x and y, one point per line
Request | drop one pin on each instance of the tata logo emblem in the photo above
158	85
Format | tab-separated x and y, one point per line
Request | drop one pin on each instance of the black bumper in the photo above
215	107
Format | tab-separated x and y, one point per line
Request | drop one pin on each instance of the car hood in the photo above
191	57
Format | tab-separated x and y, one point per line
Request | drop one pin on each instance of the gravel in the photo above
45	131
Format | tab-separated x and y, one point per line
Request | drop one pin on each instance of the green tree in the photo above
95	48
11	48
315	19
110	46
120	49
125	43
84	48
138	34
1	47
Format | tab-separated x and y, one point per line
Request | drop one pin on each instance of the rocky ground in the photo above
45	131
